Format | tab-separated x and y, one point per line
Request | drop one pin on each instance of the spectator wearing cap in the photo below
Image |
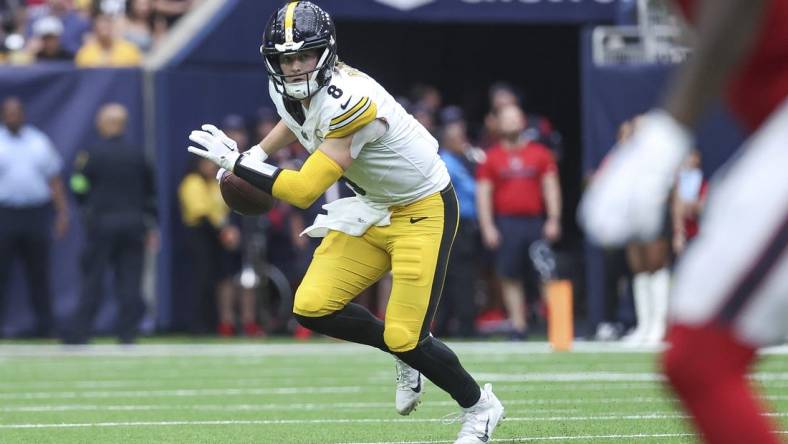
46	44
75	25
457	312
519	201
30	188
105	49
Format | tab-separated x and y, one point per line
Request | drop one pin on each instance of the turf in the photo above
334	393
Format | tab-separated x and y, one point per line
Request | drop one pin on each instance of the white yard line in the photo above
334	405
263	349
252	386
637	436
345	421
181	392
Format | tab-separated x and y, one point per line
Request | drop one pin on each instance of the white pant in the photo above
736	271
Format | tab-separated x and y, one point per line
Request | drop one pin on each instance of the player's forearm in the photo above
300	188
551	189
716	53
279	137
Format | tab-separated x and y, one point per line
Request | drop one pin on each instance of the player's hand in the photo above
626	199
215	146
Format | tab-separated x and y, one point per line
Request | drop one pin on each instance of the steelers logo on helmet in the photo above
296	27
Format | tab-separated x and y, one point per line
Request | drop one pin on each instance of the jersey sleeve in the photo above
485	171
547	162
348	107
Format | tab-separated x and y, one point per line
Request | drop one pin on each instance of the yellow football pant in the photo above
415	247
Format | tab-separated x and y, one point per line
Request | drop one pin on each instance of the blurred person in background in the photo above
230	294
45	44
457	311
500	95
518	197
427	97
114	186
30	187
689	197
75	25
140	25
105	49
649	263
172	10
213	243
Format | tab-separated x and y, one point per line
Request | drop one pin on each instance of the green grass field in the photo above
325	392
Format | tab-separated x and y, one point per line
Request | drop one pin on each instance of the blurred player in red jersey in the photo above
730	294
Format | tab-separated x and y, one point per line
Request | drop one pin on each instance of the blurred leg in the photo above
129	257
7	254
34	252
94	260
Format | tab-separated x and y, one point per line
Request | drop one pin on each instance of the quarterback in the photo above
403	218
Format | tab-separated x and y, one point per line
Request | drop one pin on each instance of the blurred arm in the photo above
726	30
279	137
484	207
61	206
551	193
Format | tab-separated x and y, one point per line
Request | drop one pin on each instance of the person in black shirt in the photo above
46	41
113	184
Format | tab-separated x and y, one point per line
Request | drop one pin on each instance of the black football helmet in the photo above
295	27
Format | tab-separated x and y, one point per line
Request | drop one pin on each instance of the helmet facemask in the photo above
316	78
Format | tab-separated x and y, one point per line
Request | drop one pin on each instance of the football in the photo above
243	197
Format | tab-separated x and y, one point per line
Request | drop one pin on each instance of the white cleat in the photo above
479	421
410	387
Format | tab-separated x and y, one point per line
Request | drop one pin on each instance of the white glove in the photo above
626	198
215	146
256	152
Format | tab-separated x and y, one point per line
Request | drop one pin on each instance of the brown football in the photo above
243	197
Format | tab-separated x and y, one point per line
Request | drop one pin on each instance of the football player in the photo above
403	218
730	295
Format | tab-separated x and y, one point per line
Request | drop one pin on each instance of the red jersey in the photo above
516	175
761	84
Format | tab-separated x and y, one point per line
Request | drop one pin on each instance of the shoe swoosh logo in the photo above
417	389
413	220
486	436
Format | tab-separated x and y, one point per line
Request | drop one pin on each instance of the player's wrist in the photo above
229	160
257	152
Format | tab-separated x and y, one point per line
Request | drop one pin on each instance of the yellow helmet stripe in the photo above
289	16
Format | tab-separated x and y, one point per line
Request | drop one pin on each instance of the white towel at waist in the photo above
349	215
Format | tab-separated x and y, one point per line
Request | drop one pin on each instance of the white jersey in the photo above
399	167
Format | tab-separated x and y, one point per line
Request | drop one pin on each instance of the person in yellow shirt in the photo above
105	49
213	246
